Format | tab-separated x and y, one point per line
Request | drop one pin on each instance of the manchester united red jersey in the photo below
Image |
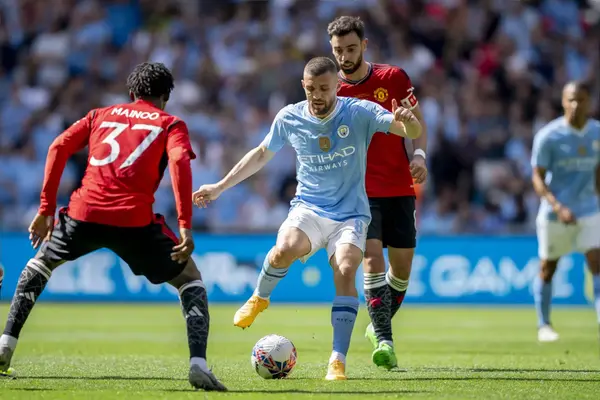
388	171
130	145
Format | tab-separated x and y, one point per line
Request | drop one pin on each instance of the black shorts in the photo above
147	250
393	221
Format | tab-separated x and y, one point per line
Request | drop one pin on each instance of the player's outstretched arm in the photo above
250	164
405	123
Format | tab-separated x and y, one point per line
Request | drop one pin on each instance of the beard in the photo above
352	69
323	109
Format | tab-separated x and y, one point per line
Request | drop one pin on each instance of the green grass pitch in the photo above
140	352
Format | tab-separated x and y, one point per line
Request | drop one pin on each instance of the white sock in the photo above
8	341
337	356
388	342
255	293
199	361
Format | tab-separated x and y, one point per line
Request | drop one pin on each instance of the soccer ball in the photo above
273	357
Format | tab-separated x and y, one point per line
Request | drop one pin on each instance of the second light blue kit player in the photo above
566	162
330	135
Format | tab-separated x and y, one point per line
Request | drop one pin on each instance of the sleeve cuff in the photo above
185	224
387	122
47	211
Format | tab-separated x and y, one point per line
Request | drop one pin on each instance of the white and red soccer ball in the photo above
274	357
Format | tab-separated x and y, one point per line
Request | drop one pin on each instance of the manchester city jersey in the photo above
570	158
331	154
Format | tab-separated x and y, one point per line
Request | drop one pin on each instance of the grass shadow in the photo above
101	378
480	378
525	370
307	391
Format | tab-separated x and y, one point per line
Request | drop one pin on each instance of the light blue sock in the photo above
269	278
343	316
596	281
542	296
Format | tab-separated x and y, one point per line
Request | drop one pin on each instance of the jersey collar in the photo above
145	102
336	111
575	131
358	82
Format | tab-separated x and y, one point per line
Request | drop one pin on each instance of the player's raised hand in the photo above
402	114
206	194
40	229
183	251
565	215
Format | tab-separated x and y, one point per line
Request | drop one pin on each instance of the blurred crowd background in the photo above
488	75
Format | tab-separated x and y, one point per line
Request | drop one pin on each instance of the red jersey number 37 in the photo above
115	148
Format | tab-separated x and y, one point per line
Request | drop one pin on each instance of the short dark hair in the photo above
150	80
342	26
580	86
320	65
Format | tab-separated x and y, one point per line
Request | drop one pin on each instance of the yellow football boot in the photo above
336	371
245	316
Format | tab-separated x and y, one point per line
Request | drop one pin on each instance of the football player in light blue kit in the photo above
566	160
330	210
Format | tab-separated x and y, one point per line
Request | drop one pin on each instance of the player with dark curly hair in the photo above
150	81
129	146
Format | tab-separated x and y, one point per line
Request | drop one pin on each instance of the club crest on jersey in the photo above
324	143
343	131
582	151
381	94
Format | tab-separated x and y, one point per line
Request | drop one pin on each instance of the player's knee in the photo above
374	260
346	271
401	262
284	254
191	271
374	263
189	274
344	278
547	269
346	262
